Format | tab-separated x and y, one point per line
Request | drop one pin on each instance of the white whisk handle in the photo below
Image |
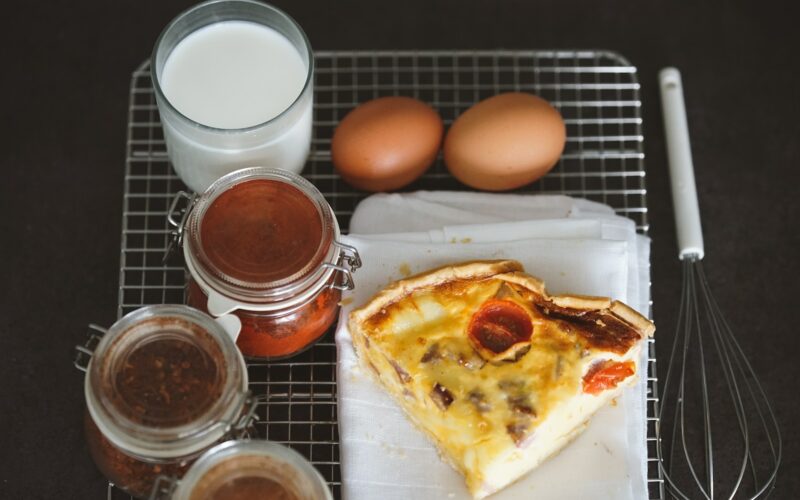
681	168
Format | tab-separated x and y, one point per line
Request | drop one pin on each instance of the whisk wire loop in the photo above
704	339
762	405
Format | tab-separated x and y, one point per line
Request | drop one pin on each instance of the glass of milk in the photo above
233	80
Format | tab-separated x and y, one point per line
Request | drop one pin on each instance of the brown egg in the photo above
386	143
505	142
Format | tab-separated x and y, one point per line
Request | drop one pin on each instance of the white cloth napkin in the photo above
424	210
574	246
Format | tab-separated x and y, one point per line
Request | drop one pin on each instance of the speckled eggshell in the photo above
386	143
505	142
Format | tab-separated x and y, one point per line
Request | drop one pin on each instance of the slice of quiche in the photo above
499	374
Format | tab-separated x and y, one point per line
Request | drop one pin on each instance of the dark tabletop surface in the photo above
66	73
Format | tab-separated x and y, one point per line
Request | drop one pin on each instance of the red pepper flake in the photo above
169	382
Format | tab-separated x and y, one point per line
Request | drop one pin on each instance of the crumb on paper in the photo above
466	240
614	402
392	450
562	273
453	239
405	270
346	302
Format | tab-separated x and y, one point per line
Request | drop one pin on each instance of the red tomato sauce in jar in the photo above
261	231
261	244
278	336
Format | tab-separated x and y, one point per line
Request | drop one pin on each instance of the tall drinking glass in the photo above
217	115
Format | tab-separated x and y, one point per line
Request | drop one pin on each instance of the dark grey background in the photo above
66	70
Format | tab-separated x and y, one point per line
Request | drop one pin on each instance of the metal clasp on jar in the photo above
83	353
243	426
176	217
349	261
164	487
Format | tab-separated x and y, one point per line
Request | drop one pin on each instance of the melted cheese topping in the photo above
477	411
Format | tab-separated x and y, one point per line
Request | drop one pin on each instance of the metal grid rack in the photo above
597	93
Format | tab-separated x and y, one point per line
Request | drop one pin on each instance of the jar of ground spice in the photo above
246	470
164	384
263	244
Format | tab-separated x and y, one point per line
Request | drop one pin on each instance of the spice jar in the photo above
263	244
240	470
164	384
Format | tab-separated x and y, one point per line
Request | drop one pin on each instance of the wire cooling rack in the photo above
597	93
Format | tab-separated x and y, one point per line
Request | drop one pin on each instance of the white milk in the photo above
232	75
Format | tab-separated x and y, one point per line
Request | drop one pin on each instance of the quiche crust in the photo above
509	270
473	270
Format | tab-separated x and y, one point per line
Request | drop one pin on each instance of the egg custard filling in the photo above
496	372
